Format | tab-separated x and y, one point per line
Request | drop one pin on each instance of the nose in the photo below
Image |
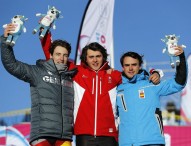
94	59
62	57
130	67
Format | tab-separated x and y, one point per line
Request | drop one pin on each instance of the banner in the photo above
97	26
2	135
177	135
16	135
186	98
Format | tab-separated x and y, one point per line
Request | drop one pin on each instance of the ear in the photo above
162	40
122	68
50	56
49	7
178	37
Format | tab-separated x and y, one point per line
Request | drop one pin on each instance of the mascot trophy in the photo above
18	21
171	42
47	21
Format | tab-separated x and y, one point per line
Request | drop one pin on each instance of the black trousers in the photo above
88	140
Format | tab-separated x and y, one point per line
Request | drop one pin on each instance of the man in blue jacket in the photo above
138	101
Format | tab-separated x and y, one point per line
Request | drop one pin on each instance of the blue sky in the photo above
138	26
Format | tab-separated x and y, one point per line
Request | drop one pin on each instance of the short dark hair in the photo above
133	55
62	43
95	47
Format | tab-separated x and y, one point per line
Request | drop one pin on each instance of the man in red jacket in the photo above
95	122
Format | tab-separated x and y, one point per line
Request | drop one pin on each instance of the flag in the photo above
186	97
97	26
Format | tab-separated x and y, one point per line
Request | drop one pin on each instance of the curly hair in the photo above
62	43
95	47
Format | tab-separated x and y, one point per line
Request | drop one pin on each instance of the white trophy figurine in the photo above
171	42
18	21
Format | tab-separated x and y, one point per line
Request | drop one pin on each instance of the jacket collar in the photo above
142	75
105	66
49	65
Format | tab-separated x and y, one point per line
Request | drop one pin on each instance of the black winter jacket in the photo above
52	95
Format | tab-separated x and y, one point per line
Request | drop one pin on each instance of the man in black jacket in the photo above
52	93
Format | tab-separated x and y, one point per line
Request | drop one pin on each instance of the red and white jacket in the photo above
95	101
95	98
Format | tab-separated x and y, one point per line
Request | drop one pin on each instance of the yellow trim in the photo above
15	113
66	143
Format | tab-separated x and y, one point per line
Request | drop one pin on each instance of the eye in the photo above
57	54
126	65
65	55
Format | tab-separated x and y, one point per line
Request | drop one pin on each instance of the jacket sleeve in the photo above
117	76
18	69
159	71
176	84
181	71
46	43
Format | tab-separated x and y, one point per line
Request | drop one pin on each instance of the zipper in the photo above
159	124
158	116
93	86
61	102
100	85
96	96
123	101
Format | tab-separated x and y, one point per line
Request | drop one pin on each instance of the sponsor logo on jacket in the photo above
57	81
141	93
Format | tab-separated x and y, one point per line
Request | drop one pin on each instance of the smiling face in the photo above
60	55
131	66
94	59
